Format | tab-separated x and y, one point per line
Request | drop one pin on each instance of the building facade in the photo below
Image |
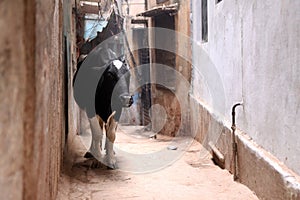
170	58
248	52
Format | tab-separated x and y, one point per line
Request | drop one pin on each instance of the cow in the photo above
101	89
102	92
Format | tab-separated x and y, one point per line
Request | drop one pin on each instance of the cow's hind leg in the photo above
95	148
111	128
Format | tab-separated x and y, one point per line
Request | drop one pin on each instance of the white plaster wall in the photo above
135	7
254	46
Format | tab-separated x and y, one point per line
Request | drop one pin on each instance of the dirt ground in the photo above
145	171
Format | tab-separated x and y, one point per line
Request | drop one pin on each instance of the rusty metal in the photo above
234	143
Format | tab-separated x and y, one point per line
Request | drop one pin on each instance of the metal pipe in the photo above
234	144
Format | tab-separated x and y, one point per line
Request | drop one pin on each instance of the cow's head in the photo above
121	96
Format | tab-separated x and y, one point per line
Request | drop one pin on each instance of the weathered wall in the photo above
183	42
251	56
257	168
12	98
176	116
183	56
31	99
254	46
49	112
70	62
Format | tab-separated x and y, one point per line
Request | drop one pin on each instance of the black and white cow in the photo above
101	88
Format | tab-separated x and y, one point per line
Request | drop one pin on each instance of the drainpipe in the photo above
234	144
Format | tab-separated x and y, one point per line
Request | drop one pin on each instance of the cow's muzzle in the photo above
127	100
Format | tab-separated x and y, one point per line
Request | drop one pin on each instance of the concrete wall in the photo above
252	55
32	75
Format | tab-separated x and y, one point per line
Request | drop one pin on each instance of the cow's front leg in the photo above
111	128
95	148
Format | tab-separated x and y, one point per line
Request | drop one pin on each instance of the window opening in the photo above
204	20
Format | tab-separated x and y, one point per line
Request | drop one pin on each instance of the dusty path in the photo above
192	176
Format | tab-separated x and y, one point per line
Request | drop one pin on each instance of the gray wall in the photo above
252	55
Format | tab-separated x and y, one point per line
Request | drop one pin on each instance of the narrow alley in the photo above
149	99
192	176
